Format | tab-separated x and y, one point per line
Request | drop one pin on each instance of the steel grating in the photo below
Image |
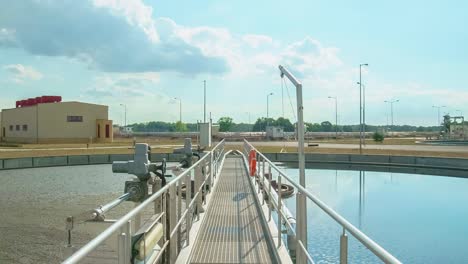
233	230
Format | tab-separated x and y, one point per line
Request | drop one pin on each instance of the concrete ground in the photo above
396	146
431	148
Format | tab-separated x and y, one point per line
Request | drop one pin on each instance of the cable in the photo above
290	102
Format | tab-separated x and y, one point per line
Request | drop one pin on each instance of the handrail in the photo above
94	243
364	239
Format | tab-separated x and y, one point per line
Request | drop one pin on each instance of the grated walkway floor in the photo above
233	231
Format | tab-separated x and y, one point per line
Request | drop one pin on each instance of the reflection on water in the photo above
417	218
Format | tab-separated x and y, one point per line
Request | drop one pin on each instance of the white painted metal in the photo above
119	226
301	205
363	238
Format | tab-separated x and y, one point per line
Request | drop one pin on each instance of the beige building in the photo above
58	122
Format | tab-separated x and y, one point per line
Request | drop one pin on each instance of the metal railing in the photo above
284	216
168	212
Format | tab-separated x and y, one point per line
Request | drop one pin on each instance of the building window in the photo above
25	127
17	127
11	127
74	118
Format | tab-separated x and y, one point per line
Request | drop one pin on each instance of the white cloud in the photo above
123	86
112	36
22	73
136	12
7	37
257	41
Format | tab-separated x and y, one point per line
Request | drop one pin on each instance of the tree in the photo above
180	127
326	126
285	124
313	127
261	124
225	124
378	137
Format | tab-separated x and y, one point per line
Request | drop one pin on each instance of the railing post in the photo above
122	238
344	248
270	179
279	210
137	223
211	171
172	223
196	189
263	181
179	214
124	244
158	202
188	199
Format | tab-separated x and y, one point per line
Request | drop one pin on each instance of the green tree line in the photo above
227	124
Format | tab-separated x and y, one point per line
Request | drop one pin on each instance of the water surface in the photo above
417	218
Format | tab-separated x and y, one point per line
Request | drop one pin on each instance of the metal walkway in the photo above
233	230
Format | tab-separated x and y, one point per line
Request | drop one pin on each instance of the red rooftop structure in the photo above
39	100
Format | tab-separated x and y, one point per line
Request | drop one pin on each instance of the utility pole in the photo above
125	115
268	102
360	106
336	115
391	110
438	112
180	109
204	101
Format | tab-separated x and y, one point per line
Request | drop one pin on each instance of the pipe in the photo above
100	211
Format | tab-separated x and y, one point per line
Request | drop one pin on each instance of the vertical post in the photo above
270	198
336	117
204	101
364	115
211	171
301	203
360	110
279	210
128	242
172	223
179	214
137	223
263	181
301	206
188	199
122	238
343	248
196	190
157	203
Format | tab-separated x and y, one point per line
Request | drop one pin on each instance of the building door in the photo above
107	131
99	131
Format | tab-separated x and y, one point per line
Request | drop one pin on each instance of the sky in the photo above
145	53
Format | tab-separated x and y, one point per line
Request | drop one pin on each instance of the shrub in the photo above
378	137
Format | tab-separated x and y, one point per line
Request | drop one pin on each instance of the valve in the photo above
141	167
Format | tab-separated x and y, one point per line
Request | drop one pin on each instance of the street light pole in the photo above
438	112
336	115
125	115
363	111
391	109
360	106
268	95
180	109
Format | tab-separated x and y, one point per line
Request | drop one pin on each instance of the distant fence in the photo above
37	162
349	159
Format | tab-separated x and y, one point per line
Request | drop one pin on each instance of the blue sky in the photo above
145	53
